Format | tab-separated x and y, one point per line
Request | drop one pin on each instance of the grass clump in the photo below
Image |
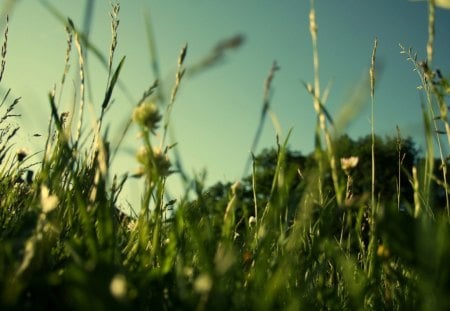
300	232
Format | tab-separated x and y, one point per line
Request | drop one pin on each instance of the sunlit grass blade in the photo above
112	84
265	108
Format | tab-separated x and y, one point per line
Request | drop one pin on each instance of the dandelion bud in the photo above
147	115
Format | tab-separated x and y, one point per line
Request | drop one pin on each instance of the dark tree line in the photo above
394	160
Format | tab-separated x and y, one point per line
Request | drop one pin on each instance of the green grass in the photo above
282	238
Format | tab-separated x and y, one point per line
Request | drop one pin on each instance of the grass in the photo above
66	244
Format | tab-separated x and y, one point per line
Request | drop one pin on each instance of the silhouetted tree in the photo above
394	160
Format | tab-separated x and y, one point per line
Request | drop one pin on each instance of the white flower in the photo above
203	284
118	286
252	221
349	163
48	202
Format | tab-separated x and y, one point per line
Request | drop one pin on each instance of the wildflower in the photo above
383	251
348	163
118	286
252	221
158	161
203	284
142	155
48	202
147	115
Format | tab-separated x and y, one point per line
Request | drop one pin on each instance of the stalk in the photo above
372	243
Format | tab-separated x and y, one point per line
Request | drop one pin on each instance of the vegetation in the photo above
359	224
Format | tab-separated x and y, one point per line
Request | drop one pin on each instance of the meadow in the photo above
305	240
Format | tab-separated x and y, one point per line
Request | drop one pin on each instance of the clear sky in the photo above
216	113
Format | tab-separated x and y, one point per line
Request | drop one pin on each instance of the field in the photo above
297	233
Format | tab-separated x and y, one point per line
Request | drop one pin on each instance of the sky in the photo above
217	111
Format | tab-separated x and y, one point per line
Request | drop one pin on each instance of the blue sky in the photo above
216	113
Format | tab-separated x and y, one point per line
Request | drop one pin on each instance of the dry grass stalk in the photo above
82	84
114	27
372	95
4	49
217	54
68	50
265	109
178	76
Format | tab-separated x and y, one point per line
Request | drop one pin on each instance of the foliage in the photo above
282	238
